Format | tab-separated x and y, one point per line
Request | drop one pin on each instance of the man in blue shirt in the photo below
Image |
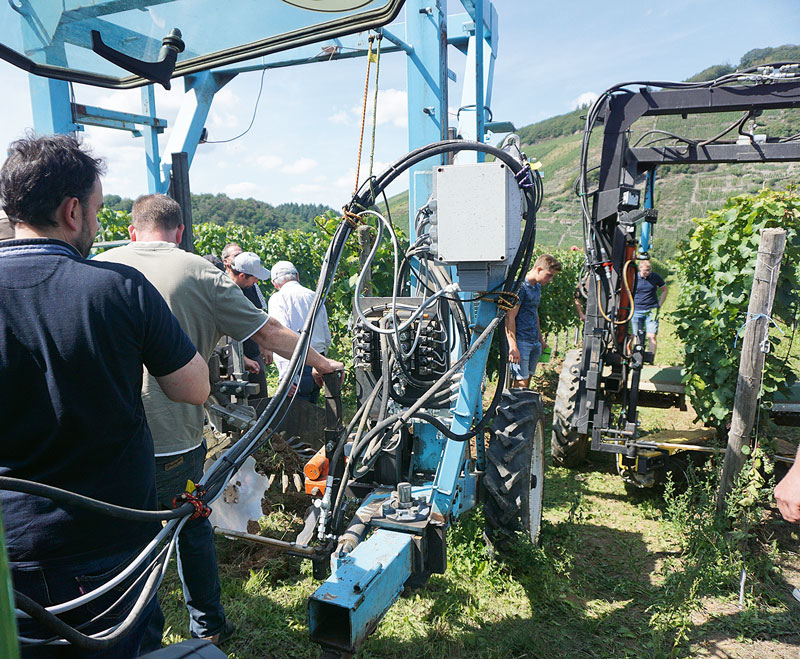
646	302
74	335
524	334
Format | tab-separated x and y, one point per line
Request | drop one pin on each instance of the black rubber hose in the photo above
76	638
65	496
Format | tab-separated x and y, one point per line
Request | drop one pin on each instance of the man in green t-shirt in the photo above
208	305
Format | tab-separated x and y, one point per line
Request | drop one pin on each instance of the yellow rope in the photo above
363	116
375	102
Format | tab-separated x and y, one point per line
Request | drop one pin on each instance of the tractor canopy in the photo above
122	44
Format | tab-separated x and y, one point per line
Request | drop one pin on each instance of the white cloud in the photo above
339	117
305	188
243	189
268	161
587	98
392	108
300	166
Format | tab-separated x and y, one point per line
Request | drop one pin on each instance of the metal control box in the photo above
478	213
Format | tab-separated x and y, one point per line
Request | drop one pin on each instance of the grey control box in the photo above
478	214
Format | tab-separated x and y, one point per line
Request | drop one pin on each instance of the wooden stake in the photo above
756	333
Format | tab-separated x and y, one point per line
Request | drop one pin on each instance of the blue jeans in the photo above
54	585
197	556
529	354
647	318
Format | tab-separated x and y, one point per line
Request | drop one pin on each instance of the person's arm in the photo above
189	384
579	309
787	493
541	336
664	290
511	335
281	340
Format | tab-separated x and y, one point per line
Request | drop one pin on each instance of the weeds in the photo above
719	554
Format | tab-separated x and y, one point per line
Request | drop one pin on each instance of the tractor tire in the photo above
514	475
567	446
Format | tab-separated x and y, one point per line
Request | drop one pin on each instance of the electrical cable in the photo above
252	119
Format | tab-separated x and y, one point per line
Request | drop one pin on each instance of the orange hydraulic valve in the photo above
316	472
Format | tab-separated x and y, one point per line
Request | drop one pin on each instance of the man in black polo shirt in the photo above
74	335
651	293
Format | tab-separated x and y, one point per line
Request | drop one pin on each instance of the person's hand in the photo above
513	355
582	316
267	356
787	494
330	366
544	345
251	366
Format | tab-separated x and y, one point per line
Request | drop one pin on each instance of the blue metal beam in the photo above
51	107
479	75
445	492
348	606
153	161
188	127
426	28
458	25
88	114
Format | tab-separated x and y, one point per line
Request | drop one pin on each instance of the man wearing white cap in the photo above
246	270
291	305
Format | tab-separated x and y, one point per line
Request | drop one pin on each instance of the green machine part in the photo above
8	621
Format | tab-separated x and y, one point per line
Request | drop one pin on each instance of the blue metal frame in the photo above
649	192
366	582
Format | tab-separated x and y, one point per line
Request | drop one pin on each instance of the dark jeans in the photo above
54	585
308	389
197	556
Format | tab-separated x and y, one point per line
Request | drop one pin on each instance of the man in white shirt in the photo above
290	306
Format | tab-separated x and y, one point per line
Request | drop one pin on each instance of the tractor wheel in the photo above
515	468
567	446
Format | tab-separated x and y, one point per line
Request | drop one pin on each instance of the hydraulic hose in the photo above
73	636
64	496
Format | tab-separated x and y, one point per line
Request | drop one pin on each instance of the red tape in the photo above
200	509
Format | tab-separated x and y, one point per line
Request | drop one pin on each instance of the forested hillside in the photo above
682	191
256	215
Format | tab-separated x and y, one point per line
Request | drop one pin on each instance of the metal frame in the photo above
620	167
73	28
365	583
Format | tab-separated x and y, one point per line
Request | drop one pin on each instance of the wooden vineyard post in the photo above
756	332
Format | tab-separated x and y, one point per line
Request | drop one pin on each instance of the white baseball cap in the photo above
283	268
250	264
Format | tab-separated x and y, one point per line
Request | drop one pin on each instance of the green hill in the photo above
682	191
257	215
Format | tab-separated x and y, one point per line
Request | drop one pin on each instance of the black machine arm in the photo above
610	364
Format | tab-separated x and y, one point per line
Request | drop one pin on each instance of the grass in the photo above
615	575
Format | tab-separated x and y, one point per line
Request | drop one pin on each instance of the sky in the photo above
551	57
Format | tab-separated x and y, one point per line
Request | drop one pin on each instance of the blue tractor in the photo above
415	455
